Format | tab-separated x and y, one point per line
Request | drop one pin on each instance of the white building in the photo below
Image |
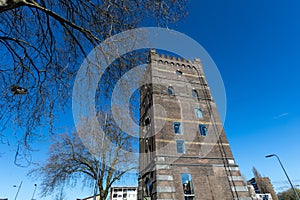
266	196
258	196
123	193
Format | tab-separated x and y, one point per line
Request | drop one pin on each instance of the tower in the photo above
184	152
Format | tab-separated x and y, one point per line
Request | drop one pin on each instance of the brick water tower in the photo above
184	152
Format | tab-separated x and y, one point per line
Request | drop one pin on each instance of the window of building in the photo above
148	187
147	121
177	128
178	73
170	90
203	130
180	145
195	93
198	113
187	185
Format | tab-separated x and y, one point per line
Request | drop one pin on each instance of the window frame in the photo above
171	90
182	143
179	73
187	183
180	129
203	130
195	93
196	113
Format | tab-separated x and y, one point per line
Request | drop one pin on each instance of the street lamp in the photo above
33	191
272	155
19	187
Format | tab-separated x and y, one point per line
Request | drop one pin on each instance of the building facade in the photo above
262	186
184	152
126	193
118	193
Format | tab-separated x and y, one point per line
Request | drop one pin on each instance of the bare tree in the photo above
42	43
256	173
90	156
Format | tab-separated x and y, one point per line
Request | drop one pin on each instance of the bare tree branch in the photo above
70	161
43	43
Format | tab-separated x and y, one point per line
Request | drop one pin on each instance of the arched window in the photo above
170	90
198	113
203	130
177	128
195	93
178	73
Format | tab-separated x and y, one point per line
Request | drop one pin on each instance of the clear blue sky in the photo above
256	46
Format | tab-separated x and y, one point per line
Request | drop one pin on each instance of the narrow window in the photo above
147	121
180	146
170	90
177	128
178	73
195	93
203	130
187	186
198	113
148	187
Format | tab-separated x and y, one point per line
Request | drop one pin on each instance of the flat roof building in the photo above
123	193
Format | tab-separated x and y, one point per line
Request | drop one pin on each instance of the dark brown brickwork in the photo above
206	165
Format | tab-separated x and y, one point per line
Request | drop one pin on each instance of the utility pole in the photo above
268	156
33	191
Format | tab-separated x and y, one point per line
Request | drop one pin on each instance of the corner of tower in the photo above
197	61
153	51
153	55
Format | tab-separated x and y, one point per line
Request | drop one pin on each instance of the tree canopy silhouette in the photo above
42	44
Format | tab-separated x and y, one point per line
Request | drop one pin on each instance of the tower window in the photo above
148	187
187	186
177	128
147	121
170	90
178	73
180	146
195	93
203	130
198	113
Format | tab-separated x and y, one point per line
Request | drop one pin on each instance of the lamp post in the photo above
19	187
272	155
33	191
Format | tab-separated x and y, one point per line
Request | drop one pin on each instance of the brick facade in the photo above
183	154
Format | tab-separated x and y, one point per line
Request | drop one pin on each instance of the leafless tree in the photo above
90	156
256	173
42	43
